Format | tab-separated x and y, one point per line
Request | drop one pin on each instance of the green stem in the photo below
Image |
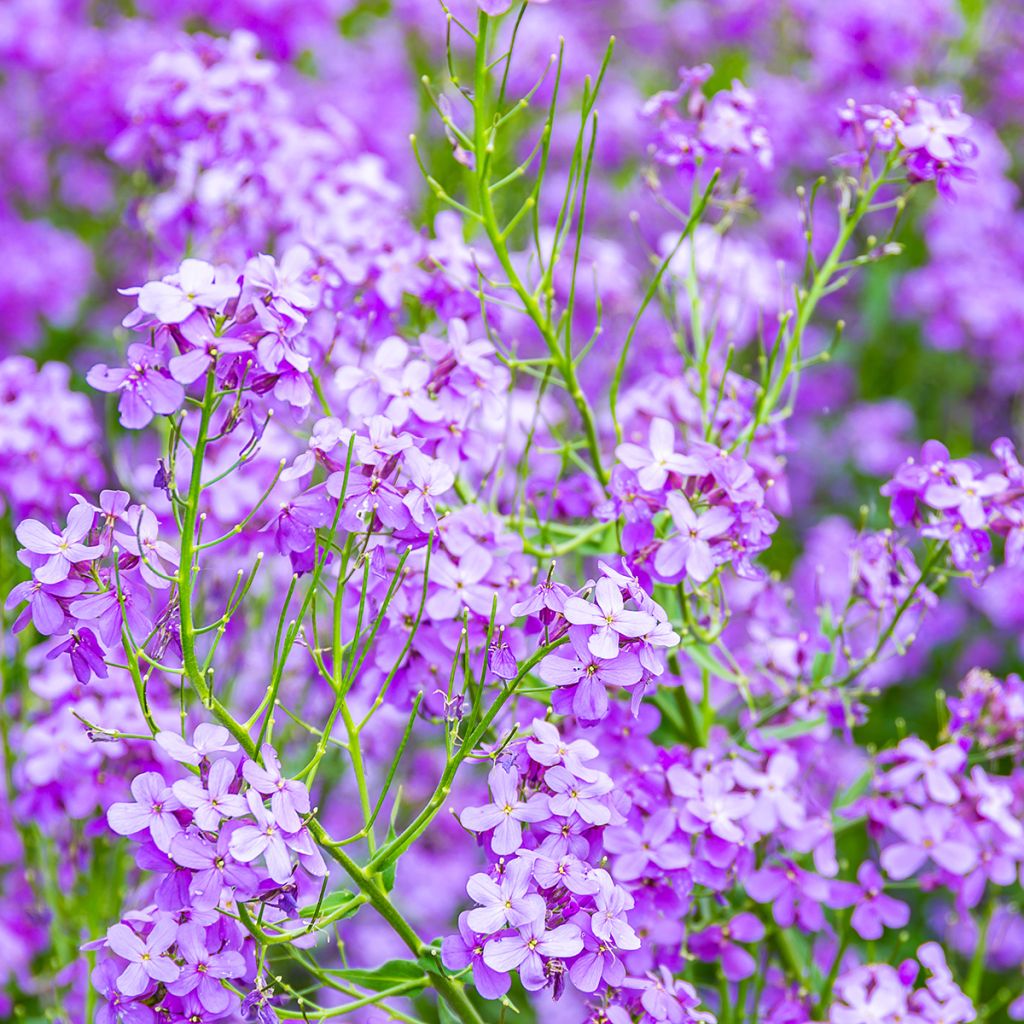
482	120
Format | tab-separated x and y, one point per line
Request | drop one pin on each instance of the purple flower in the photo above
689	550
110	609
249	841
44	603
177	296
573	796
710	800
145	386
966	494
506	811
635	851
140	537
503	902
85	652
429	479
568	871
935	768
118	1008
548	748
774	805
928	834
459	586
213	865
597	963
467	948
719	942
796	895
212	803
207	739
203	970
873	908
653	464
545	601
527	950
587	676
609	617
609	919
289	798
147	959
500	659
62	550
934	129
152	811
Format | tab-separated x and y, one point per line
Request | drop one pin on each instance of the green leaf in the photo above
446	1014
332	903
855	789
387	876
394	972
792	729
703	658
821	667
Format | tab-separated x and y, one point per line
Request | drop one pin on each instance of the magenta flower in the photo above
931	834
506	812
689	550
289	798
504	902
527	951
609	617
145	386
653	464
62	550
152	811
147	958
719	942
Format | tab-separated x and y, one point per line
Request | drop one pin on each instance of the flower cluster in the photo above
692	130
381	418
213	843
932	139
545	909
962	503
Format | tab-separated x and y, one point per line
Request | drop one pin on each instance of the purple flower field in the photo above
512	511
